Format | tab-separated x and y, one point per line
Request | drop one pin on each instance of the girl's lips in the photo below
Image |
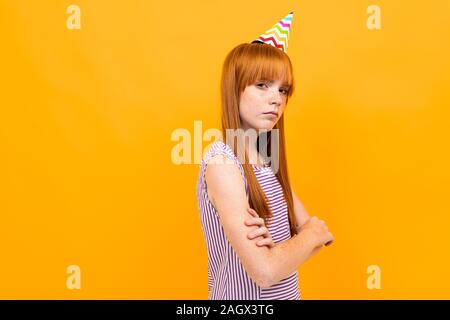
271	114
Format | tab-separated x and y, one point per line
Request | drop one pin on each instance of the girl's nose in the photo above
276	96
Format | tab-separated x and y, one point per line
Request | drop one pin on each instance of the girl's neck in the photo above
251	148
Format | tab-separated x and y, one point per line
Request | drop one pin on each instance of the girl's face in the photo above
262	104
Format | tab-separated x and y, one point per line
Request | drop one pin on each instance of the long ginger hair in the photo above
243	66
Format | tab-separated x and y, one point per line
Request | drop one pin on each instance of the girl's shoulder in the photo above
219	147
220	153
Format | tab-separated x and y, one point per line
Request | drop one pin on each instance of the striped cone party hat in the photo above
278	35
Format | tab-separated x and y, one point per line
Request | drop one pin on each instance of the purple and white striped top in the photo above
227	278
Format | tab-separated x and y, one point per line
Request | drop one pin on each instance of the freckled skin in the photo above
260	97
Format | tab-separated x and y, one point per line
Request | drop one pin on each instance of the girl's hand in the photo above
261	231
317	232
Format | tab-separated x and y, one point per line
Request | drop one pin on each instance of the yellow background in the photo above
86	118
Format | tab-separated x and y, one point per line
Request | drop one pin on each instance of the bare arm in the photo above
300	212
266	266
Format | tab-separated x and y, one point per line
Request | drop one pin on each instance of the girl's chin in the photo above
265	127
266	124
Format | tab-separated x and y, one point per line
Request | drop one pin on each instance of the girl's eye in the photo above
262	84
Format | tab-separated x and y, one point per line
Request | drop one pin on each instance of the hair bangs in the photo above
266	63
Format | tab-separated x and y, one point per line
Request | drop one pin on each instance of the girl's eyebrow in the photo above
272	81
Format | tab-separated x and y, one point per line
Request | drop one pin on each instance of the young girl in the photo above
256	230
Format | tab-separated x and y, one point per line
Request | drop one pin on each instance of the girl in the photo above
256	230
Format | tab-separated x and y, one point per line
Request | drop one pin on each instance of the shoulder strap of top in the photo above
221	148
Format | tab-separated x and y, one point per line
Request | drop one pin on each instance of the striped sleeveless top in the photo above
227	278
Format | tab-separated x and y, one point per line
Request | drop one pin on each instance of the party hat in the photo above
278	35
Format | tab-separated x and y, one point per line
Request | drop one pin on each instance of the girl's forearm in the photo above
286	257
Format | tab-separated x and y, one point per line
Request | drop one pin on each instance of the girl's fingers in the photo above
265	242
251	221
252	234
252	212
254	221
259	232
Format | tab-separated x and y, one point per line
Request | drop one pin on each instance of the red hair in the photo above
243	66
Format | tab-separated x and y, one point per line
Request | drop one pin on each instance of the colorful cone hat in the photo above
278	35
